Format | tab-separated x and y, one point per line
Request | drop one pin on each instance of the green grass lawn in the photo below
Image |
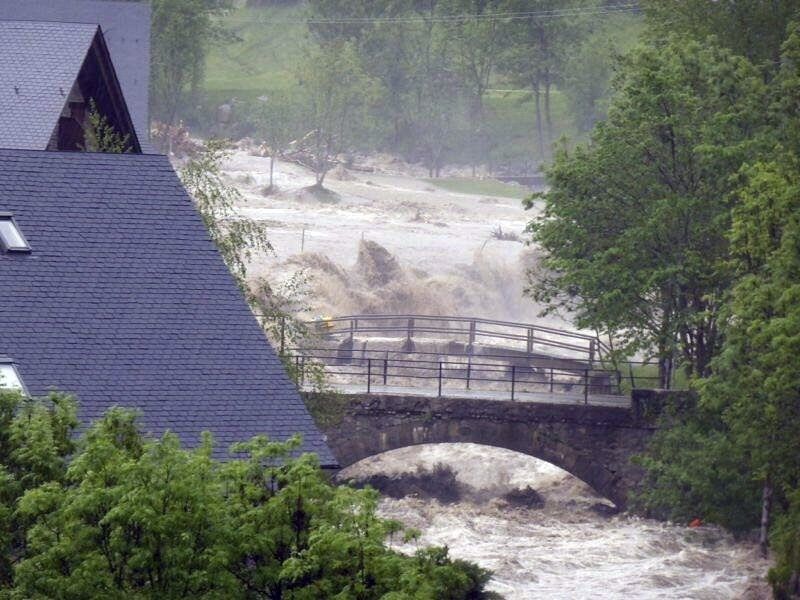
480	187
262	59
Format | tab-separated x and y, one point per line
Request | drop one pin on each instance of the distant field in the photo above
480	187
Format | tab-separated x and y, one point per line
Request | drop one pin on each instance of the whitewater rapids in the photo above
565	549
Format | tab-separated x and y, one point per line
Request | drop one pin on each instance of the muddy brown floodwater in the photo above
564	549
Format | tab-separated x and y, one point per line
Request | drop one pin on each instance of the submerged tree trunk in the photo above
766	509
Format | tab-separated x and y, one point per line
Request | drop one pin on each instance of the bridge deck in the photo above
500	396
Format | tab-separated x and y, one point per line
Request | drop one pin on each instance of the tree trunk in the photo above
547	114
539	129
766	509
271	168
664	372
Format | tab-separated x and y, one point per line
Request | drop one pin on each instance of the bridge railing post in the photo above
385	370
529	345
551	380
513	380
469	369
586	386
369	375
440	379
283	335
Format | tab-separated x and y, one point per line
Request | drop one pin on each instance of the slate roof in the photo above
39	62
126	28
124	300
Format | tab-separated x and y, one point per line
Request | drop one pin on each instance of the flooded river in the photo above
565	549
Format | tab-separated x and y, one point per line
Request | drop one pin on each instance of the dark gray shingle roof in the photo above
39	62
124	300
126	28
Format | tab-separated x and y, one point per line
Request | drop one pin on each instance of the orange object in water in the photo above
695	523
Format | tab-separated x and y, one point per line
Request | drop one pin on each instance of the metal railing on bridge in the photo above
520	337
482	339
497	377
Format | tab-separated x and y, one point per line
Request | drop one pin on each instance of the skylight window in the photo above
11	237
9	376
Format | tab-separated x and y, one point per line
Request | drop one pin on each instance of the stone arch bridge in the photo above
592	442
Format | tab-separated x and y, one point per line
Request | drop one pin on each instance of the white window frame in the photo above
26	247
16	383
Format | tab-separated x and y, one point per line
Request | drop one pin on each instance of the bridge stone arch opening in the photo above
593	443
455	471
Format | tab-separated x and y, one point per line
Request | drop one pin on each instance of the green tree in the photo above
101	136
785	575
277	121
535	54
145	518
752	28
437	92
182	31
477	43
236	238
743	439
589	69
337	93
634	225
735	459
35	442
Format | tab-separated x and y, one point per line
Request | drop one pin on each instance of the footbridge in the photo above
415	379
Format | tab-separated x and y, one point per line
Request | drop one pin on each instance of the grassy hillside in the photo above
263	57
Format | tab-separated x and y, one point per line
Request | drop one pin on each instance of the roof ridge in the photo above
11	150
51	22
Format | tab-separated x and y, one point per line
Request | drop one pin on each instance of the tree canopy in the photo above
634	224
122	516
